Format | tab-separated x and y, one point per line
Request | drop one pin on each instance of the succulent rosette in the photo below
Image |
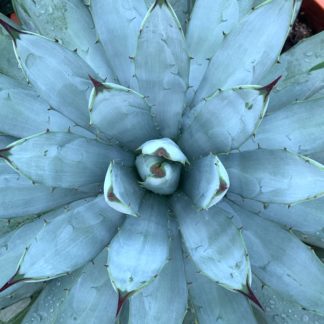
160	162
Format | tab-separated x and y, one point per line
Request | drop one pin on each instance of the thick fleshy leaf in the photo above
67	87
162	67
121	189
14	314
278	258
214	243
8	63
300	78
303	86
9	83
10	224
63	159
158	174
149	166
140	249
19	292
274	176
166	179
250	48
306	219
164	147
213	303
86	296
239	111
116	110
68	21
152	304
24	113
69	241
250	4
206	181
182	9
118	25
21	197
209	23
298	128
279	309
13	246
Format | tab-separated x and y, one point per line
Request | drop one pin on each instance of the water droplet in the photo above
37	318
271	301
305	318
309	53
276	318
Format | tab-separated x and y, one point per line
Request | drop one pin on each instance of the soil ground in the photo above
301	29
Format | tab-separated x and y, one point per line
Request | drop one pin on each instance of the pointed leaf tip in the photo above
250	295
12	281
4	153
97	84
6	286
121	301
12	31
268	88
159	2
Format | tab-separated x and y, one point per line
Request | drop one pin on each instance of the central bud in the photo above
159	165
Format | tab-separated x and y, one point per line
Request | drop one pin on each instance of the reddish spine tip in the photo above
250	295
97	84
223	186
268	88
5	25
157	170
161	152
12	31
112	197
121	301
8	284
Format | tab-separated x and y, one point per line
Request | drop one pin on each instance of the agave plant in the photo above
160	162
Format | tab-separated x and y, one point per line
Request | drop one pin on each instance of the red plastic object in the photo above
314	12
